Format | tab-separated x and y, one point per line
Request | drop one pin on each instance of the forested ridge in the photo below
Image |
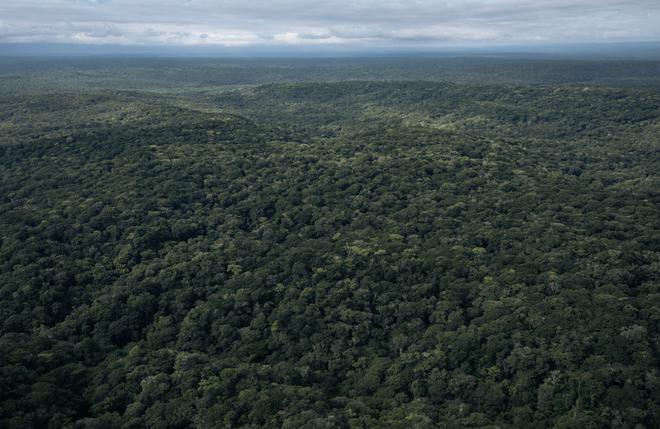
399	254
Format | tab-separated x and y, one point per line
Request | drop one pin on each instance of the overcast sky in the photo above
332	22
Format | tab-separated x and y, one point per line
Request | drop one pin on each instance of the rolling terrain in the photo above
330	244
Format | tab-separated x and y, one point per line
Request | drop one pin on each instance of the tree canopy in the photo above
330	255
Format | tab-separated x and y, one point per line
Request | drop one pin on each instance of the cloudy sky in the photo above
334	22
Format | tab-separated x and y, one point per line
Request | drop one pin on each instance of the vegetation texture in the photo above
399	244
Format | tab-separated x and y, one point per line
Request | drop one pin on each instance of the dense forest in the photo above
410	243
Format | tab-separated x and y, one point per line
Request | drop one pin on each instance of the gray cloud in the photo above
313	36
103	30
307	22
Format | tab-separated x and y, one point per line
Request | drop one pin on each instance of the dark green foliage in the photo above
400	254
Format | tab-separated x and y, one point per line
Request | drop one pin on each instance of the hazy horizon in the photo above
627	50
